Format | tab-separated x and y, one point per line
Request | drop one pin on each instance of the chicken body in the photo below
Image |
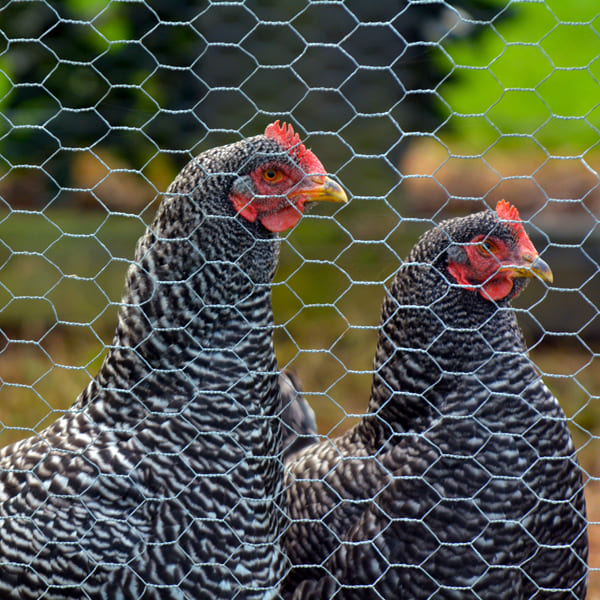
163	481
462	481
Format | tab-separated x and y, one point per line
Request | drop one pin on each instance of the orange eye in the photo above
486	247
272	175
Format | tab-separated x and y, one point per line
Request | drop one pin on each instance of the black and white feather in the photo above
297	416
163	480
462	480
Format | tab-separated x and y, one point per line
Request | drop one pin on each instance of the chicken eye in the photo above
486	247
272	175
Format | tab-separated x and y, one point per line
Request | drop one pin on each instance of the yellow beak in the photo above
534	266
319	188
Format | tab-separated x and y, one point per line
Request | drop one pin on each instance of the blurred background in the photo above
423	109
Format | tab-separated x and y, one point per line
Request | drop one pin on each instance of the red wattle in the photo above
497	288
284	218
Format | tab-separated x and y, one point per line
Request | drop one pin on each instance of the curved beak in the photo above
534	266
318	188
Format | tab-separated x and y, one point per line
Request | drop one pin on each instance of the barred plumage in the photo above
297	416
462	480
163	480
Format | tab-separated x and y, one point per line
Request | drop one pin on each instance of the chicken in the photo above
297	416
163	480
462	480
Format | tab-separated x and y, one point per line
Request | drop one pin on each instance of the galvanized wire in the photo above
101	102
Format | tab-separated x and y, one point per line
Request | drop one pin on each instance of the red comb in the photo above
285	135
507	212
289	140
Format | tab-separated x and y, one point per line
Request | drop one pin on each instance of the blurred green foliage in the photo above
81	74
536	74
164	80
145	78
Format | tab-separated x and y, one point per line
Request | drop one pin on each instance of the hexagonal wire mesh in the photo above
423	109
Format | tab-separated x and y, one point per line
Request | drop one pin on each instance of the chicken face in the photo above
276	191
490	263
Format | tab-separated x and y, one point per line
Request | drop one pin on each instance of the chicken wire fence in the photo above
422	109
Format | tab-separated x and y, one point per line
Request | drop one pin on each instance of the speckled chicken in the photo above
163	480
297	416
462	480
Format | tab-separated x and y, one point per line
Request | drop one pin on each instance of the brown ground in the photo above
550	187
